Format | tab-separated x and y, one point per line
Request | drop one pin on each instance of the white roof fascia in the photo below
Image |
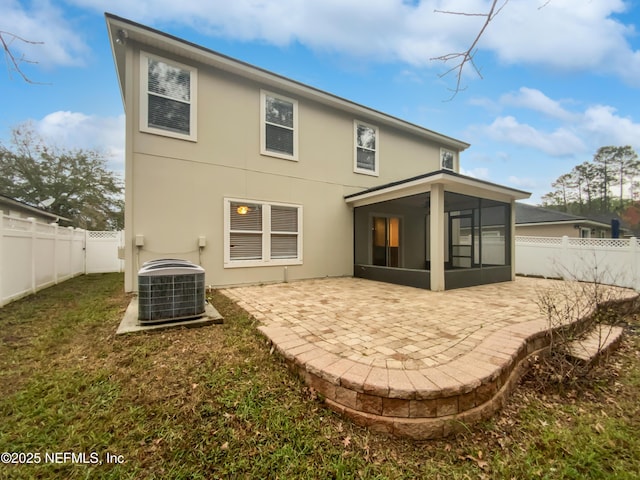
565	222
457	184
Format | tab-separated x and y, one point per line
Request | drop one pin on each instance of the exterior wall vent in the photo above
170	290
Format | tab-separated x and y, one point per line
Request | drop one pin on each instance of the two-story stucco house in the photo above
259	178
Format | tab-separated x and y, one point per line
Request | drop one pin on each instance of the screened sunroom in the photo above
436	231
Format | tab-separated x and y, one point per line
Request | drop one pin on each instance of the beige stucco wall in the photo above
175	189
547	230
567	230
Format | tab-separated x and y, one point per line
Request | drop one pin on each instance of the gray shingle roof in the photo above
532	214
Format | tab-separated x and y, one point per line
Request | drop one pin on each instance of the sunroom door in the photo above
461	240
386	241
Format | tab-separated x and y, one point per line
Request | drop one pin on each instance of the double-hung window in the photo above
167	97
366	148
260	233
278	126
447	159
245	231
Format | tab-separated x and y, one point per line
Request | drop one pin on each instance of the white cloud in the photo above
77	130
536	100
409	76
560	142
42	22
572	132
522	182
566	35
480	173
486	103
604	126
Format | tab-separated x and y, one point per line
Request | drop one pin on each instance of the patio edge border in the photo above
424	415
422	403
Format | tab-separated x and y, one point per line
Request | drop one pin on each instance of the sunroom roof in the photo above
452	182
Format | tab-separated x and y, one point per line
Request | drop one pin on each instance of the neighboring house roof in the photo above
532	215
607	217
25	208
122	30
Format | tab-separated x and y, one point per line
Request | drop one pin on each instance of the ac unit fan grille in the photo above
178	293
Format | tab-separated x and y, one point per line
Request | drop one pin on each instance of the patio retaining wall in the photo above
425	403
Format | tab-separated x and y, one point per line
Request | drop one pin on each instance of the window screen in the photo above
261	233
365	147
284	219
245	236
279	128
168	114
446	159
169	97
279	139
246	216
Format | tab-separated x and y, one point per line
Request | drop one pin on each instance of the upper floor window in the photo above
279	129
366	148
447	159
168	97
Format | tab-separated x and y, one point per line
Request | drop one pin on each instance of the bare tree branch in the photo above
467	57
15	63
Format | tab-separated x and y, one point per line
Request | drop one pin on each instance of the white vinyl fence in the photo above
605	260
101	255
37	255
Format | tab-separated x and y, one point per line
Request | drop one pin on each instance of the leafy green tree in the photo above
585	176
72	183
587	188
552	199
627	167
564	184
604	160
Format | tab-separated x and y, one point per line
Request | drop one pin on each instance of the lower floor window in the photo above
261	233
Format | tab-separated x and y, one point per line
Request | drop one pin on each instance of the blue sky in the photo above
560	78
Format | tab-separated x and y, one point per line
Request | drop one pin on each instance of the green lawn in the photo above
214	402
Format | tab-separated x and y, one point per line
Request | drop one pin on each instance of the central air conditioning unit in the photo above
169	290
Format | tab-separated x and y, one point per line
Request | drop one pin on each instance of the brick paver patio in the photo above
403	360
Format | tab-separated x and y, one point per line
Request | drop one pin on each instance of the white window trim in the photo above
144	99
263	126
266	236
357	169
455	159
